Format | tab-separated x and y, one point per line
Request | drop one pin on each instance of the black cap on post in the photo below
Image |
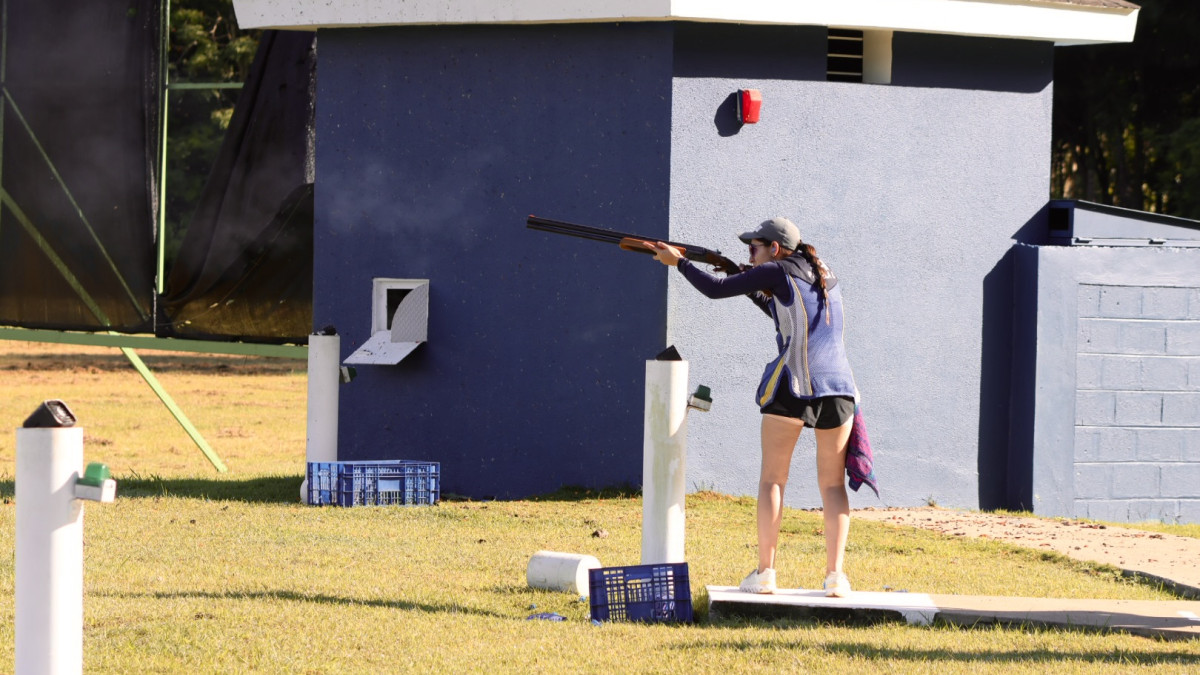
669	354
50	414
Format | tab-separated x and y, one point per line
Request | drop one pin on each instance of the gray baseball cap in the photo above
780	230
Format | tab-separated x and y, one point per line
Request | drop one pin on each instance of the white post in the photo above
49	569
664	462
324	373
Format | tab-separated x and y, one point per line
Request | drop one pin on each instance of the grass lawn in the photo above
190	571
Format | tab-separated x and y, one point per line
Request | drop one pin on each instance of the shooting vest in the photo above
812	358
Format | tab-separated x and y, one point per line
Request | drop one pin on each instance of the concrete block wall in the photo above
1137	403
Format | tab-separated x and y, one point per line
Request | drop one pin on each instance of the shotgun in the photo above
632	242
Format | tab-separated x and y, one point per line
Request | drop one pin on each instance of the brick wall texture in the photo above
1137	407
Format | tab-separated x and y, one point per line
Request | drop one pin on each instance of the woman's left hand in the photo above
665	253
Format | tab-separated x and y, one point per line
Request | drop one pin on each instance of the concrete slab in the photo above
1170	619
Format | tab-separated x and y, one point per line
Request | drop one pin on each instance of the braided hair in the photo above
809	253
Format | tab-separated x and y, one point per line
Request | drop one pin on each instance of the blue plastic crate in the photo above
641	593
322	482
378	483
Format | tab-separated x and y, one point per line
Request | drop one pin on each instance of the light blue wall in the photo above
913	193
1110	343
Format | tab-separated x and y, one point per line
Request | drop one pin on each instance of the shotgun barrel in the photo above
632	242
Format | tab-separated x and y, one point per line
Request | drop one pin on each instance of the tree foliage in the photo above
205	46
1127	116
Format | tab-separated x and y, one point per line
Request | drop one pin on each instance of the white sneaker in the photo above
837	585
759	582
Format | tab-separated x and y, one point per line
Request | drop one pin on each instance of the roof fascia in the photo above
1058	22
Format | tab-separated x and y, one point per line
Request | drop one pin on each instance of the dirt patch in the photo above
1168	557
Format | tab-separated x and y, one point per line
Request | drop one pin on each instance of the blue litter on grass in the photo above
548	616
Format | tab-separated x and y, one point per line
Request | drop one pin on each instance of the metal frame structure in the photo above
126	343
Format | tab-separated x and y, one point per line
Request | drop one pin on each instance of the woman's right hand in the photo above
665	253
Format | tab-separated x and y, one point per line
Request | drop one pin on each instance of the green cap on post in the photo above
95	474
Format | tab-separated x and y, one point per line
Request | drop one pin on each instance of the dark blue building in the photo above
914	166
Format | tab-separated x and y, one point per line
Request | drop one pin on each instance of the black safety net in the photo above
244	269
80	146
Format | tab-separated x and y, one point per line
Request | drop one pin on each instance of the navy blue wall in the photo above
922	60
433	145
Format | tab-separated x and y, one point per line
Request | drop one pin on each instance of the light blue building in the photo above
918	167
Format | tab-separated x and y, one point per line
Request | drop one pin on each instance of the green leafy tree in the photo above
205	46
1127	117
1182	168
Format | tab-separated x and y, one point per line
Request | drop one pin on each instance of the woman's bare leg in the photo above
779	436
831	467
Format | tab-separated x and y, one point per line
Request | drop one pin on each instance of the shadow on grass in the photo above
883	655
1114	656
261	489
286	489
317	598
575	493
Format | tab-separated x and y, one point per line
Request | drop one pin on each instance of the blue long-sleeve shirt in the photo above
750	282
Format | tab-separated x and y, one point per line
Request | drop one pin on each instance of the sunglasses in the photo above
754	247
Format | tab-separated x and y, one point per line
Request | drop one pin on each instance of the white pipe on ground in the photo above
555	571
324	374
664	462
49	553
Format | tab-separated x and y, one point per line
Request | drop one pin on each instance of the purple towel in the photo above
859	461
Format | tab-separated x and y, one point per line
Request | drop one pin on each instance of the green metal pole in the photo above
58	263
37	144
184	422
3	85
152	342
161	216
103	318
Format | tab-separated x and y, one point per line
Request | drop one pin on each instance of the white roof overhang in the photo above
1060	21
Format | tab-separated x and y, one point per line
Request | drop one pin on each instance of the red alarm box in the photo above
749	103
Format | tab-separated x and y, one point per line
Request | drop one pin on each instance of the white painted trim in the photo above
388	345
877	57
1024	19
379	291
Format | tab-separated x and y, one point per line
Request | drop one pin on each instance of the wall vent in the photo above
859	56
845	55
399	321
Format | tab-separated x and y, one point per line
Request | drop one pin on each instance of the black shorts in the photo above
823	412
